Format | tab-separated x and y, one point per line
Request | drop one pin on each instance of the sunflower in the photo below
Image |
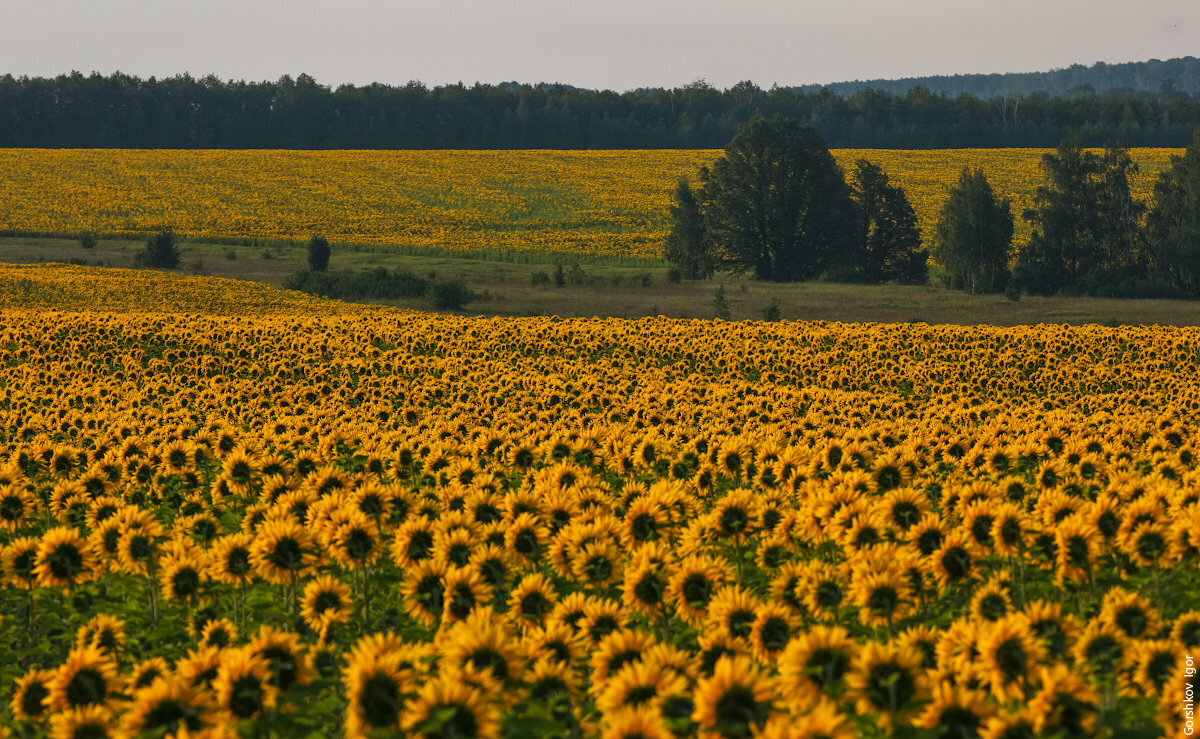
19	560
532	599
774	626
31	695
824	721
243	688
168	704
1065	704
955	710
413	542
639	684
17	506
822	590
198	668
1148	544
64	559
992	601
814	665
455	546
229	559
597	564
1056	630
927	535
601	617
82	722
289	661
954	562
105	542
883	597
326	600
1009	528
465	591
1129	612
425	591
1155	660
635	722
482	642
355	542
140	535
1008	651
446	707
644	585
104	632
1187	629
282	551
737	699
219	633
1102	648
732	611
556	643
616	650
146	672
182	571
526	537
379	678
87	677
886	679
695	582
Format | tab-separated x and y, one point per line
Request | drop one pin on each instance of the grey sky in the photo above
611	44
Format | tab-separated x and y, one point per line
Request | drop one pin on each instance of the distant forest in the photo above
1167	77
122	111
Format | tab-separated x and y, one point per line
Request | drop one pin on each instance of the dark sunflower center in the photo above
420	544
697	590
905	514
736	710
31	699
246	698
359	544
775	634
379	701
957	563
890	687
1011	659
86	686
327	600
66	561
826	666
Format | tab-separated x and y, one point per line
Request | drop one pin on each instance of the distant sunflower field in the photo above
595	203
314	519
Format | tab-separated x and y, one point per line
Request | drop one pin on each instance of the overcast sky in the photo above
606	44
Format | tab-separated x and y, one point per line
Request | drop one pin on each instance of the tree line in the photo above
123	111
777	205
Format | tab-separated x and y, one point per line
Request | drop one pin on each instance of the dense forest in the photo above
120	111
1169	77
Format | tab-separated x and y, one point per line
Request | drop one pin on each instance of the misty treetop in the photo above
123	111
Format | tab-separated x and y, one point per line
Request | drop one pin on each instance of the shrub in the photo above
318	254
160	251
674	275
87	240
771	312
450	295
539	278
560	277
374	284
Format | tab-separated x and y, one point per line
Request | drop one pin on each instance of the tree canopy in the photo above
777	203
973	236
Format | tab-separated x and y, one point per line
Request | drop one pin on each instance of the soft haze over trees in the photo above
186	112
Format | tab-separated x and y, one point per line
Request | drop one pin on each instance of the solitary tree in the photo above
687	246
160	250
973	236
318	254
776	202
1173	225
892	241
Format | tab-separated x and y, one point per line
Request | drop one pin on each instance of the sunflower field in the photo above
592	203
322	520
